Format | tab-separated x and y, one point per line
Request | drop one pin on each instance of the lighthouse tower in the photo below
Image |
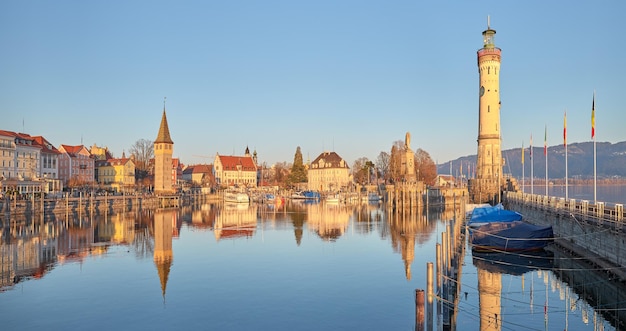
486	186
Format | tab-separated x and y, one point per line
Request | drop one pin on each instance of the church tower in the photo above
486	186
163	150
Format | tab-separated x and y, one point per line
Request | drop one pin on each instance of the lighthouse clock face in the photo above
482	91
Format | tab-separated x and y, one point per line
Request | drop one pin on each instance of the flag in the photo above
522	152
593	116
565	129
545	142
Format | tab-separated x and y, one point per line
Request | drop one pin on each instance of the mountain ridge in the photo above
610	161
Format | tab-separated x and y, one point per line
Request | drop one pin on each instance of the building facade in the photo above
28	164
329	173
486	186
116	174
76	166
235	170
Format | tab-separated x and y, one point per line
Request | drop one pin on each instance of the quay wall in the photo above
590	230
98	204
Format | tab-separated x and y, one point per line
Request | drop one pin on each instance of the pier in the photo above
593	230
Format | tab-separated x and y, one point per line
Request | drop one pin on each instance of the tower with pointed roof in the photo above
163	150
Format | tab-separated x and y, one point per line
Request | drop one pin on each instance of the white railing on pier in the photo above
598	211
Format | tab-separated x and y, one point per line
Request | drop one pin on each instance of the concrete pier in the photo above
591	230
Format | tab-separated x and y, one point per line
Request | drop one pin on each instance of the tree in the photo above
359	170
281	173
425	168
142	151
298	171
395	160
382	165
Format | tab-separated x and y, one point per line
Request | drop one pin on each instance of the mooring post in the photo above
419	310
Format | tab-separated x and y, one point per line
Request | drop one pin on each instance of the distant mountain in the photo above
610	161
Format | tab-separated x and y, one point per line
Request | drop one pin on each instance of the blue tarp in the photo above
511	236
492	214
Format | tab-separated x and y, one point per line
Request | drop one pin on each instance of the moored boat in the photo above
492	214
511	237
236	197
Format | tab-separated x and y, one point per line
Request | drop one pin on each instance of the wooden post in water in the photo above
419	310
438	261
429	302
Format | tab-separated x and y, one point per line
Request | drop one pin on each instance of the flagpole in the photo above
593	136
523	188
565	144
532	176
545	153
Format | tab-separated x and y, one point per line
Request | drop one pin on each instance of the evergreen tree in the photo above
298	171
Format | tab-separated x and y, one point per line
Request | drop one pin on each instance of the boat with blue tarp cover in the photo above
511	237
492	214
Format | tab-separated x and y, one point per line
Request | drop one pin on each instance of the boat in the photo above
306	195
333	198
514	236
236	197
371	197
492	214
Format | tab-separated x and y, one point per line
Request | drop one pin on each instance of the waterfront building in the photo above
329	172
76	165
29	164
116	174
199	175
163	150
100	153
235	170
486	186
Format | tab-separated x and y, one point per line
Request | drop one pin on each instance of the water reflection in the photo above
235	220
164	226
31	249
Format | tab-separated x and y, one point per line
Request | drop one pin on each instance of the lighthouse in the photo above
486	186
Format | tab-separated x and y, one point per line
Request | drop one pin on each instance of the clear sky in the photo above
347	76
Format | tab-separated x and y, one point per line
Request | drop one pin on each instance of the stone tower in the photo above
486	186
163	150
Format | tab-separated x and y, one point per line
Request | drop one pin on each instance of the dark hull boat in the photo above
515	236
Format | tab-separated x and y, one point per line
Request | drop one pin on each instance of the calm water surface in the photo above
293	267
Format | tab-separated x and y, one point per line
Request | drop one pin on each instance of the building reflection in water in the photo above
408	230
328	221
235	220
165	221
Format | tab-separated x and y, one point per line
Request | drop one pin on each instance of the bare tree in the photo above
142	151
382	165
425	168
395	160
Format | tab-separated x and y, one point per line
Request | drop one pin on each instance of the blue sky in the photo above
349	76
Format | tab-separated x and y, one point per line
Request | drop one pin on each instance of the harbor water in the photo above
294	266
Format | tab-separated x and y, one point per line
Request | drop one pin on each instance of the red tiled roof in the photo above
231	162
44	143
198	169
